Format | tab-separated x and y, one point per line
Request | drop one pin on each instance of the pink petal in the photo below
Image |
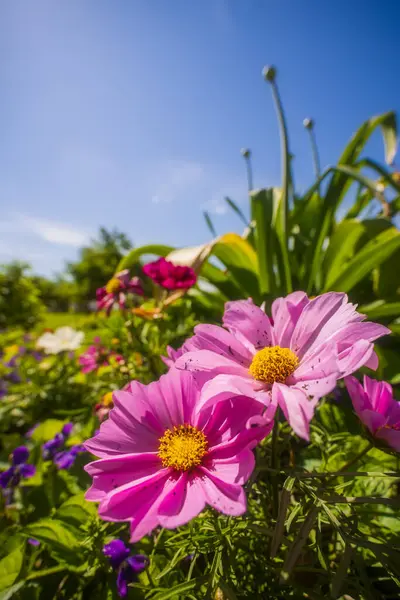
296	407
224	387
286	312
174	397
318	318
111	473
227	498
357	394
209	362
236	469
355	357
373	362
316	388
183	502
380	394
249	324
390	436
126	502
223	343
372	419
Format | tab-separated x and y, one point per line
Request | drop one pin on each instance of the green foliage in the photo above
20	304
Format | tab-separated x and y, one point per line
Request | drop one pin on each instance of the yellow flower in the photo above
11	350
115	341
107	400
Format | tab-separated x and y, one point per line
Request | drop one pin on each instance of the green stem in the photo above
275	464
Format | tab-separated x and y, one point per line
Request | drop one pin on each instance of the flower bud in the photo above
269	73
245	152
308	123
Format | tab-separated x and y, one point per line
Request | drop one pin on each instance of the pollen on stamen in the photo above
113	285
273	364
182	447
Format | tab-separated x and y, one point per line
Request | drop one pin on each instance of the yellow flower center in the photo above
273	364
183	447
113	285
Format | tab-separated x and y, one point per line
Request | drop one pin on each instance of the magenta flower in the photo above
292	362
377	408
116	290
170	276
163	458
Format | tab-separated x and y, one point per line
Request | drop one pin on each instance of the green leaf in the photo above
47	430
209	223
237	210
262	209
370	256
60	537
341	248
10	567
178	590
133	257
76	510
9	592
380	308
344	174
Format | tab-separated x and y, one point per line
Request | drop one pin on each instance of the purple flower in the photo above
65	459
377	409
170	276
66	430
50	448
33	542
128	567
37	355
18	470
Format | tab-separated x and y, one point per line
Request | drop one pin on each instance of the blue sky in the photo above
132	114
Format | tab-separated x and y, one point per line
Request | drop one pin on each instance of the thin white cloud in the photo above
175	178
56	233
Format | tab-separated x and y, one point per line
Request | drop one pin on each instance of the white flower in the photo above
64	338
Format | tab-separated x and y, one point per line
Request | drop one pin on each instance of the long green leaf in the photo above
341	248
10	566
370	256
380	309
341	180
262	207
237	210
210	224
134	255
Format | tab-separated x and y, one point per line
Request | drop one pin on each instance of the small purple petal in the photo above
66	430
123	578
27	471
31	430
64	460
33	542
116	552
6	477
20	455
138	562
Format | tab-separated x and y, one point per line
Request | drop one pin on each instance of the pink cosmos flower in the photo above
377	408
170	276
116	290
162	459
292	362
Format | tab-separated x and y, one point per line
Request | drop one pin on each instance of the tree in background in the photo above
97	264
20	302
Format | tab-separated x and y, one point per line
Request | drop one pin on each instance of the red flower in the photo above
170	276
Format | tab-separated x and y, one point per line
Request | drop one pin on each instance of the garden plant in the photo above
227	424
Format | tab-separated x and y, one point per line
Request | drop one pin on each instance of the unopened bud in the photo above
246	152
269	73
308	123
